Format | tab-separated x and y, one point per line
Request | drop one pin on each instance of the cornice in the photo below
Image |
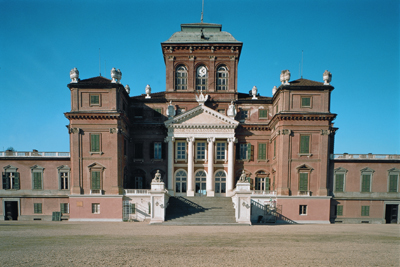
254	127
93	116
304	117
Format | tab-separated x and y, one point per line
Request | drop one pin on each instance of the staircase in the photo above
200	211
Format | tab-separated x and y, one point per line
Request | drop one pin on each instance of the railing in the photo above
304	193
264	192
96	192
33	154
346	156
136	192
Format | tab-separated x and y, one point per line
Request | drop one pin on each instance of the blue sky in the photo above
358	41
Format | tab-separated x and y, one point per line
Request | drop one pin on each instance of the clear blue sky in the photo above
358	41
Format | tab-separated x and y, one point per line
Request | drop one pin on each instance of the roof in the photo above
305	82
201	33
97	80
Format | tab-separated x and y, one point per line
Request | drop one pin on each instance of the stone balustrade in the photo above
136	192
34	154
346	156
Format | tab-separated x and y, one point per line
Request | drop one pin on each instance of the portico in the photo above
201	153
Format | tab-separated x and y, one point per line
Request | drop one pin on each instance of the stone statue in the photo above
201	98
127	89
116	75
157	177
148	91
274	90
171	110
327	77
74	75
254	92
243	178
231	110
285	77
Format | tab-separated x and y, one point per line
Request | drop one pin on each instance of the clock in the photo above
202	71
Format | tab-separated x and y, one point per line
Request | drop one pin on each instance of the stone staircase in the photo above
200	211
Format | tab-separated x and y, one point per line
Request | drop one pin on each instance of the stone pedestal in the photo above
242	202
158	202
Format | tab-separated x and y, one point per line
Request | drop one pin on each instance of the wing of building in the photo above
143	157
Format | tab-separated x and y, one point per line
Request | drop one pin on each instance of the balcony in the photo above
34	153
304	193
130	192
346	156
264	192
96	192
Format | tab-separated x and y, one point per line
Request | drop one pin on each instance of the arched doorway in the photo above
220	183
200	182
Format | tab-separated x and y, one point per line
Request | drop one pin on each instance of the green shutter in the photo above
339	178
267	186
393	183
94	99
304	144
303	185
364	210
305	102
262	151
37	208
339	210
262	113
56	216
95	180
16	181
366	183
6	181
37	180
274	148
95	143
248	151
133	208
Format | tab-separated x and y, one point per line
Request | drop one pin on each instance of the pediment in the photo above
367	169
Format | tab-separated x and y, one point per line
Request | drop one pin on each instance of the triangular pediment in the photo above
201	116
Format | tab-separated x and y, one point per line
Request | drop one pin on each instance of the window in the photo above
157	150
37	208
263	183
306	102
181	78
64	180
339	182
339	210
180	182
262	151
303	209
200	182
64	207
304	144
132	208
220	182
201	150
37	177
138	153
201	78
366	183
94	142
222	78
157	113
10	178
96	208
263	113
245	151
220	154
243	114
94	99
180	150
95	183
393	180
303	182
364	210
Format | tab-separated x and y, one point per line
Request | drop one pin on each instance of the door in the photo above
220	183
11	210
391	213
201	179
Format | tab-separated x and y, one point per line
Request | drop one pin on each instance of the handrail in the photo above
34	154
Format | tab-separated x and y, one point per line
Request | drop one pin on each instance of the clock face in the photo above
202	71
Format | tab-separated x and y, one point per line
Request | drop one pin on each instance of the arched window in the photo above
201	78
220	182
180	182
181	78
201	178
222	78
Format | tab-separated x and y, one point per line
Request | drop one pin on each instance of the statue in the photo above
116	75
254	92
171	110
274	90
201	98
127	89
148	91
74	75
243	178
285	77
327	77
231	110
157	177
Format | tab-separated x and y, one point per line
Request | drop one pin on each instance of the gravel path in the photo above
140	244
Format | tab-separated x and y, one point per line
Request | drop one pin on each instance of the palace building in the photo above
273	156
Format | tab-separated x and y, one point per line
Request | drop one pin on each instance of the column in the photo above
170	141
190	192
231	164
210	173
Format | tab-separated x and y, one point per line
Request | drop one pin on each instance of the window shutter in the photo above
366	183
274	148
304	144
6	181
61	208
133	208
249	151
267	186
262	151
339	182
303	185
339	210
393	183
37	180
95	180
16	181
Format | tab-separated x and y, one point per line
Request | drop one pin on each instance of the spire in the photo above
202	10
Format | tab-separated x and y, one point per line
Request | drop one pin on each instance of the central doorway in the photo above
11	210
201	179
391	213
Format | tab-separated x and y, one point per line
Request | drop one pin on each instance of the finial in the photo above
148	91
74	75
327	77
285	77
254	92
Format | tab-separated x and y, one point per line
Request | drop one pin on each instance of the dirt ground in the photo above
140	244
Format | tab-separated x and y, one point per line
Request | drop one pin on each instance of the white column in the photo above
210	173
231	162
190	192
170	141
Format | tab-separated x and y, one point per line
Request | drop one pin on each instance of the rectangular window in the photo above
220	155
94	142
244	114
304	144
138	150
64	180
64	207
339	182
262	151
339	210
96	208
37	208
366	183
263	113
133	208
180	150
306	102
95	180
364	210
245	151
157	113
37	180
393	181
200	150
303	183
11	180
94	100
157	150
303	209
